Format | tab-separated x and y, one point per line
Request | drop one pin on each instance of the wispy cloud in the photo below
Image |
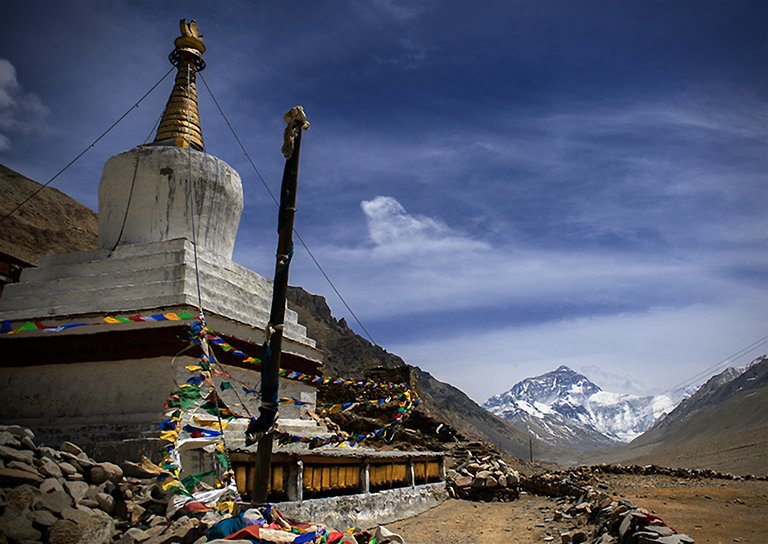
401	10
406	54
412	264
642	177
20	111
394	232
660	346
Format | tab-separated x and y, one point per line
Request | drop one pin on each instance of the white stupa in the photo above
168	218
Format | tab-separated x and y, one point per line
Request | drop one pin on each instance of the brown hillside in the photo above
723	426
51	222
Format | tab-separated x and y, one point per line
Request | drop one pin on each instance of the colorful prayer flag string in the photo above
200	392
184	315
216	340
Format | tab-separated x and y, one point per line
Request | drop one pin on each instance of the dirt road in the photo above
710	511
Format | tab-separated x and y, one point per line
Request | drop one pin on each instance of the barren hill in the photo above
52	222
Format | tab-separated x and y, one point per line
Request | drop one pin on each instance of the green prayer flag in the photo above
193	480
222	458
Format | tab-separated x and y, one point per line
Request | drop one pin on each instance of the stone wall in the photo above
368	510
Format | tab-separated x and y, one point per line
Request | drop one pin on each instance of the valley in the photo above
710	511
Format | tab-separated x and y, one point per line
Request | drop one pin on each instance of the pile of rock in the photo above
574	481
65	497
613	520
62	496
486	478
656	470
569	483
622	521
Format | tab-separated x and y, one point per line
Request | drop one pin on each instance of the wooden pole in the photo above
273	343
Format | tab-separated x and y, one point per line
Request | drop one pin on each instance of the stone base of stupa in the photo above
107	383
144	277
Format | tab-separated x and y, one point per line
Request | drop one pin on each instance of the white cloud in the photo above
612	382
398	233
20	111
412	265
417	265
8	84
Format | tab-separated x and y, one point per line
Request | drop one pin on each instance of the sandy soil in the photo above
463	522
710	511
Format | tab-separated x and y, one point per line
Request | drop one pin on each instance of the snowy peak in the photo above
543	405
562	385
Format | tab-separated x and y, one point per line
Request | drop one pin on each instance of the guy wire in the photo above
271	194
84	151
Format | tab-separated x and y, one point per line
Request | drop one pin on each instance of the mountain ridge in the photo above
55	223
565	409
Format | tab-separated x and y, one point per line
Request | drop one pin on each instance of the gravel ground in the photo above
525	521
710	511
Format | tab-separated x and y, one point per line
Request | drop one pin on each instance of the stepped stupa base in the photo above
145	277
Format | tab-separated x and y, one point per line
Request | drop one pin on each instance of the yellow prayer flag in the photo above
170	436
226	507
210	422
149	467
169	483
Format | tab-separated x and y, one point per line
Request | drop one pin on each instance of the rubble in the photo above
65	497
657	470
485	478
59	496
571	482
613	521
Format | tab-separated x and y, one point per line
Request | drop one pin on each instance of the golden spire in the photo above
180	125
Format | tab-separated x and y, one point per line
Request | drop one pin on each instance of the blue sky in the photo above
496	188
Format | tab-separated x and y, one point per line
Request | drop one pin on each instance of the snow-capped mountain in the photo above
563	408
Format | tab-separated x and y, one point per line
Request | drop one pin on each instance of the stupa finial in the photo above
180	125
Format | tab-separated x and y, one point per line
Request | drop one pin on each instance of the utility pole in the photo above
262	429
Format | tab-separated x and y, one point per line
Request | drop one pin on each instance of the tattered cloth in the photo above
296	120
267	525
